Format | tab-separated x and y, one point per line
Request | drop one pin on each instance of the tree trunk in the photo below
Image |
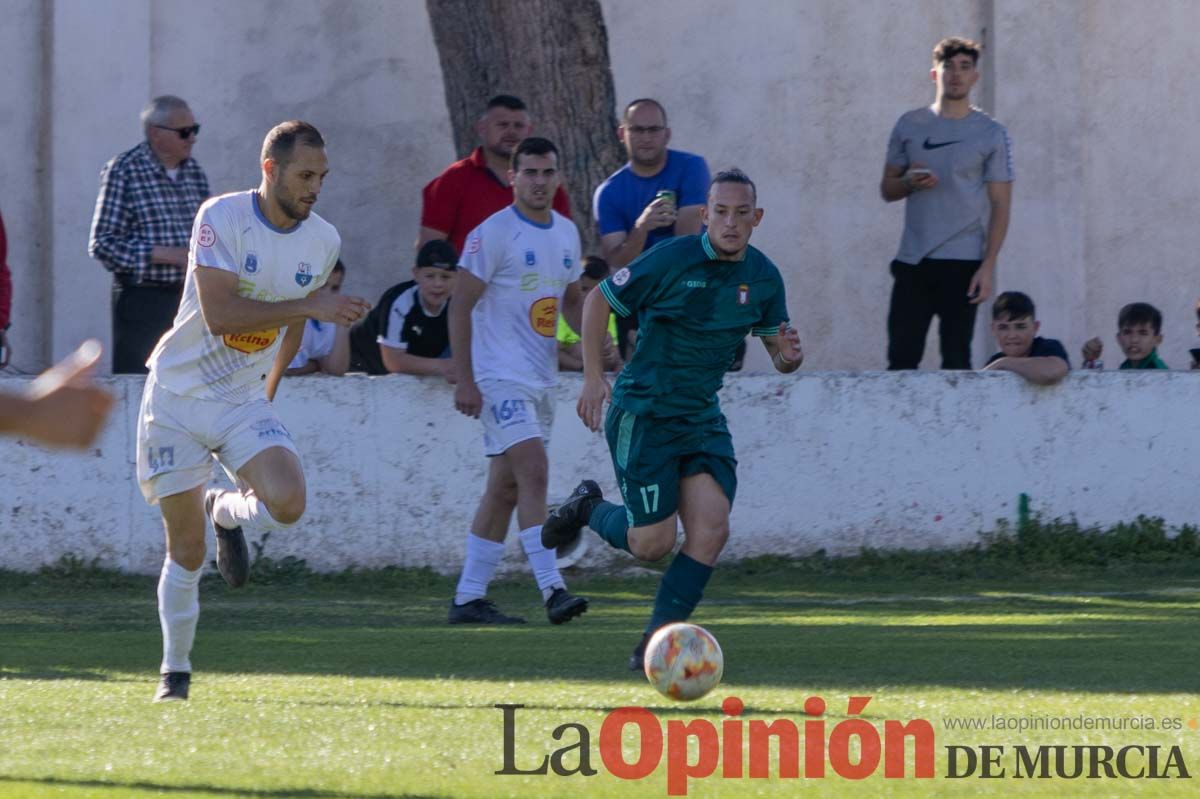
553	54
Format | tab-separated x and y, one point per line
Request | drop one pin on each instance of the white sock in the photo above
544	562
234	509
178	612
483	557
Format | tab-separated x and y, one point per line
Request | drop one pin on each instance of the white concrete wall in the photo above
829	460
1097	95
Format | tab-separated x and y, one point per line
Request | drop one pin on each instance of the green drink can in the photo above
666	194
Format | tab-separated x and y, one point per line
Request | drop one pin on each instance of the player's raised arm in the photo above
593	331
467	292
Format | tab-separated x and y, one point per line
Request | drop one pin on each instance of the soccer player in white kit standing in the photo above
255	261
517	267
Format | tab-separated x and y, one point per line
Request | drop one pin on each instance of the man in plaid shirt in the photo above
148	200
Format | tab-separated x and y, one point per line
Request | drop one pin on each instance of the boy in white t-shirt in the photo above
255	262
517	267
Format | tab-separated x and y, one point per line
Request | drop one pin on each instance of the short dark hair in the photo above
439	253
956	45
645	101
1013	305
1140	313
595	267
508	101
282	139
734	175
339	266
531	145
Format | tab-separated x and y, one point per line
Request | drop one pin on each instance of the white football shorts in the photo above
512	413
177	438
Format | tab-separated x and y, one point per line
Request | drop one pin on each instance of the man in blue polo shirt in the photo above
658	194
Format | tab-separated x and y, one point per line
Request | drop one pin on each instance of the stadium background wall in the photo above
1098	96
826	460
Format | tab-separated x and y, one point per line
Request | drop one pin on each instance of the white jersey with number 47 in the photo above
526	266
272	265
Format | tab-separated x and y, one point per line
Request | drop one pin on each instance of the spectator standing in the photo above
949	161
407	331
324	346
149	197
659	193
469	191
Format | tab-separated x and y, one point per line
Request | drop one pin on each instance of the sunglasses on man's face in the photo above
190	130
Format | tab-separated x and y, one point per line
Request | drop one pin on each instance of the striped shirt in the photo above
140	207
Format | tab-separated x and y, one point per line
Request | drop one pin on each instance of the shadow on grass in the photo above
122	788
1143	642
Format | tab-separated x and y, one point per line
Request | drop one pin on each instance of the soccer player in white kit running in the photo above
255	261
517	267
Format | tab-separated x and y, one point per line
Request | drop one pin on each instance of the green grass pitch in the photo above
341	688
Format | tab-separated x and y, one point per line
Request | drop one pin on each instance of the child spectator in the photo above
406	332
570	353
325	346
1139	332
1042	361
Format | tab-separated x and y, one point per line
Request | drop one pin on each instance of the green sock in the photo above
679	592
611	523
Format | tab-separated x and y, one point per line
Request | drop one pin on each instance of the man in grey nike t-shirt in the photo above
951	162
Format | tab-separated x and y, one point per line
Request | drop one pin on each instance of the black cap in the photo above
439	253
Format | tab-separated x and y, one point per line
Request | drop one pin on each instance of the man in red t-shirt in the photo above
471	190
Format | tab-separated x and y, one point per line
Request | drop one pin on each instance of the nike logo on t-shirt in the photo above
929	145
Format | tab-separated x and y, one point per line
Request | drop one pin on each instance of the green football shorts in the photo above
651	456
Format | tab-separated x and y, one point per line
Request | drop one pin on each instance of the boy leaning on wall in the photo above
1041	361
1139	332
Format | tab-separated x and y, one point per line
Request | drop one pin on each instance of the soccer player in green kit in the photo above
696	297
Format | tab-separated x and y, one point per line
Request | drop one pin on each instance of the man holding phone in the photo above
657	195
950	162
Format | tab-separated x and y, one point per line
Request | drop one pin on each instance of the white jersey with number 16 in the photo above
527	267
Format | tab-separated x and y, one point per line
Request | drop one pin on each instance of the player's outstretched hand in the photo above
65	408
467	399
340	309
591	402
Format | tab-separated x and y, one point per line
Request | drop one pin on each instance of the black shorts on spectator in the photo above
934	287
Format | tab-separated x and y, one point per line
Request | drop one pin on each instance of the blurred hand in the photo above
660	213
467	399
340	309
65	408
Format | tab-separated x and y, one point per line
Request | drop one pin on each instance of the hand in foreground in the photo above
65	408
